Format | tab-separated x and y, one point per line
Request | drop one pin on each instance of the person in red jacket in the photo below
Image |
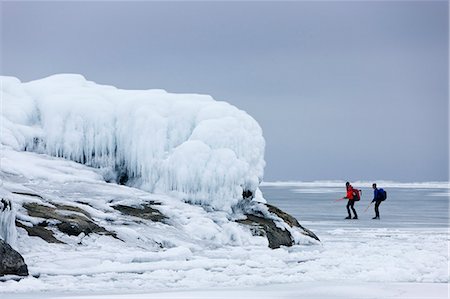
351	202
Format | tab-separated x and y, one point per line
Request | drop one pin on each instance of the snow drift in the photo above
191	146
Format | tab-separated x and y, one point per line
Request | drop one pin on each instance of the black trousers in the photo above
377	204
351	204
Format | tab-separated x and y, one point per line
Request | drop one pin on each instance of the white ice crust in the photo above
189	145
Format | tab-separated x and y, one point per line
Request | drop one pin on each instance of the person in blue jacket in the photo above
377	198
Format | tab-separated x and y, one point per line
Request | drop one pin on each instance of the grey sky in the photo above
342	90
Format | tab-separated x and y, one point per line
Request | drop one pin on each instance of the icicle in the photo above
8	231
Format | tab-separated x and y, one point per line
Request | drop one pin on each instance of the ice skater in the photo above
379	195
351	194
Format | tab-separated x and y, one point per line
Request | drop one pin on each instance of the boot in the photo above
376	217
348	217
356	217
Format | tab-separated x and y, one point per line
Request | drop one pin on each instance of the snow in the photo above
310	290
201	150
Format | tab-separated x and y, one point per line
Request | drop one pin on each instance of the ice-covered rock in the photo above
11	262
70	220
198	149
279	227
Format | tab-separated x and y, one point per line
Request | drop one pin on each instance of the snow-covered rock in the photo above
61	201
201	150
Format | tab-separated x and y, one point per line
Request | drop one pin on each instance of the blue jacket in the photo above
376	195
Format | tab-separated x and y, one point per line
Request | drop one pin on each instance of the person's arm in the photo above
375	195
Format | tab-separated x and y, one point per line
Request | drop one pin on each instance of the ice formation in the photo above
8	231
201	150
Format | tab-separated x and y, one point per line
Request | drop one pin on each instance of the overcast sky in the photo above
342	90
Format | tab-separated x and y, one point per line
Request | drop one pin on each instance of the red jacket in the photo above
350	192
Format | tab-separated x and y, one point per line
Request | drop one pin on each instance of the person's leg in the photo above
377	212
353	209
348	209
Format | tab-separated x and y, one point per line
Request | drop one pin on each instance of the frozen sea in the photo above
405	254
407	207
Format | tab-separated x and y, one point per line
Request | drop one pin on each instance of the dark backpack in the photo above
382	194
356	194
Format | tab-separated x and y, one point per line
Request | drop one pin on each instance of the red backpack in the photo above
356	194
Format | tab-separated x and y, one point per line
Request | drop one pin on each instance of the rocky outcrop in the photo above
69	220
263	224
11	262
145	211
40	231
291	221
262	219
73	220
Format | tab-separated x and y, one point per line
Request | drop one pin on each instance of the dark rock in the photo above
122	178
71	220
289	219
5	204
144	212
11	262
121	174
266	227
75	227
260	225
247	194
40	231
